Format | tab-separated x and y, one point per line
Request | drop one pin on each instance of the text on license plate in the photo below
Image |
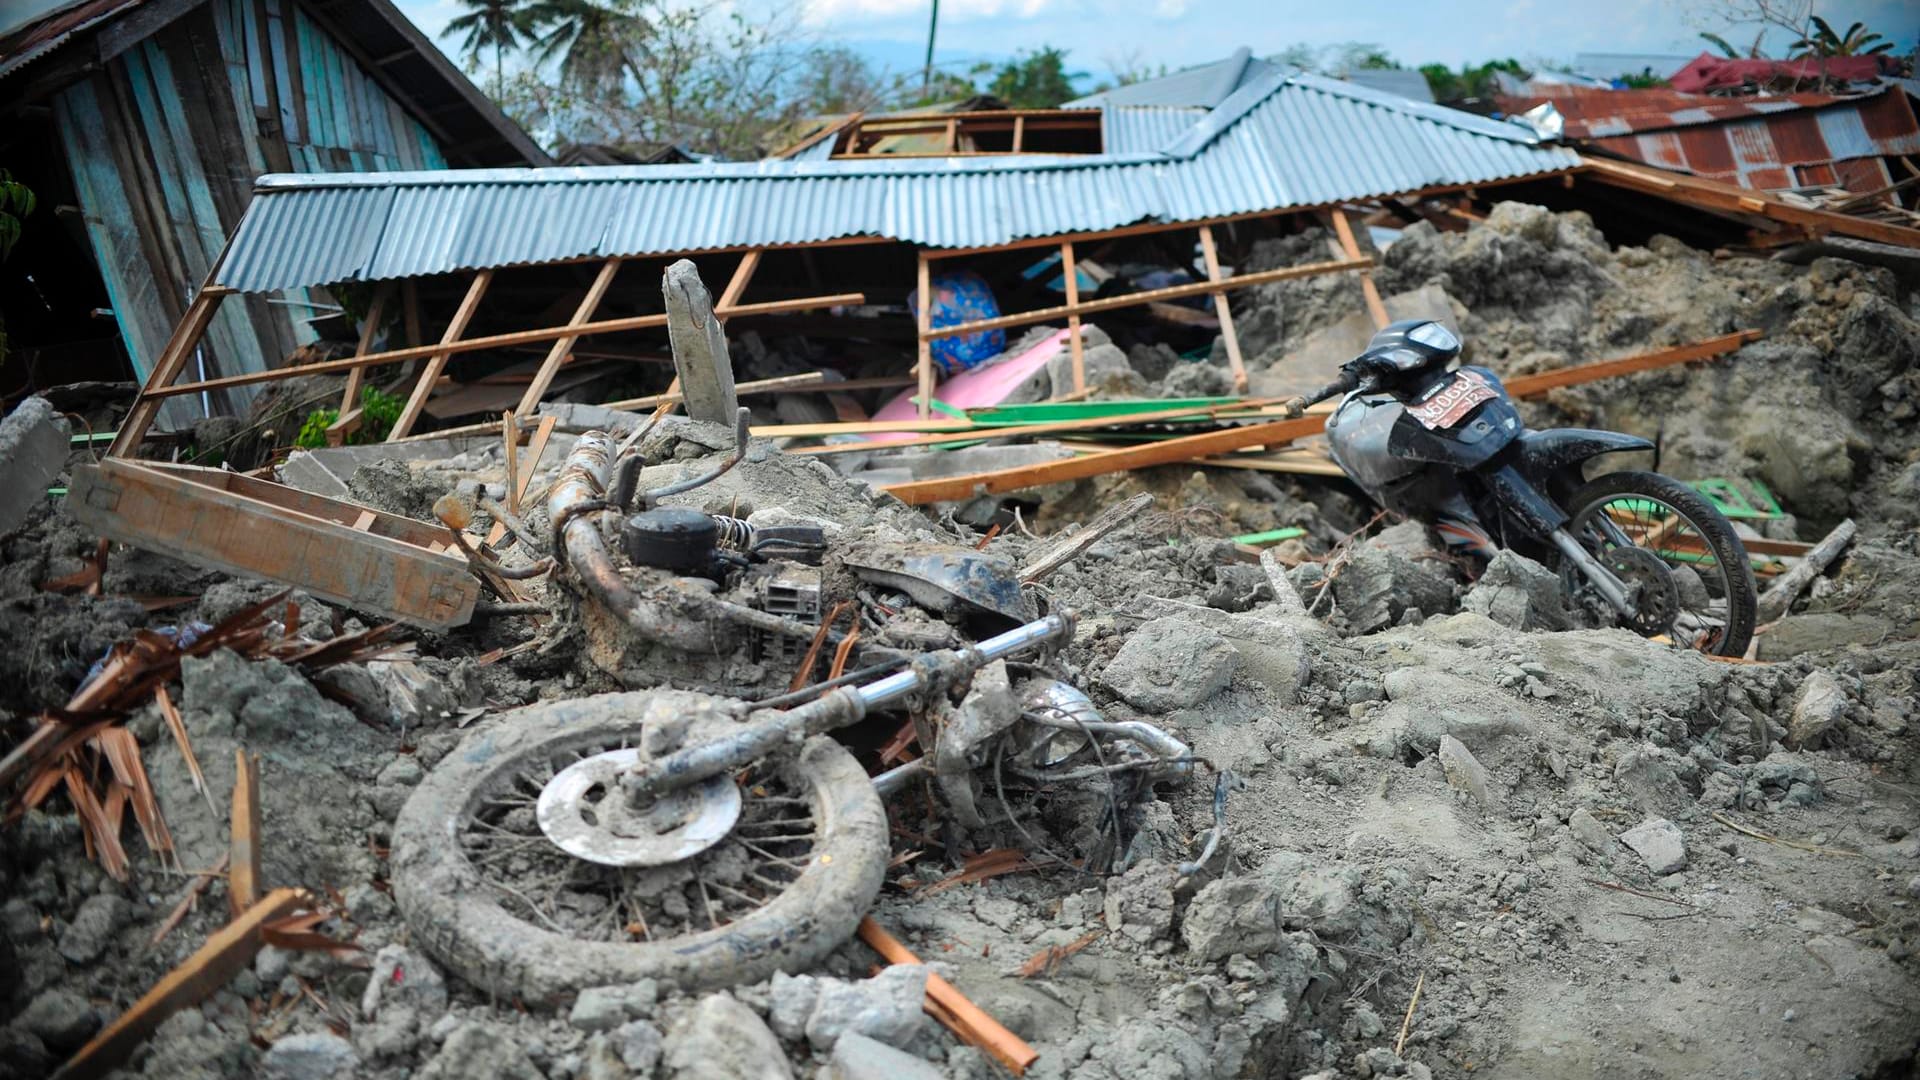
1446	408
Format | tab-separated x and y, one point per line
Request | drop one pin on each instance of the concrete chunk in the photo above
699	347
1464	771
1658	842
33	450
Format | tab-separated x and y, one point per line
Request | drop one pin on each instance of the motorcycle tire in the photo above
1715	531
495	915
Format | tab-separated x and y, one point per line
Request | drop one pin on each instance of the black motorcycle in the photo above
1447	446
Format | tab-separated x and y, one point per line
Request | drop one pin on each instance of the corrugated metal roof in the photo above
1284	140
1202	87
1764	143
1137	130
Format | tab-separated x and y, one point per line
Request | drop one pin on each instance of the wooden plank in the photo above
501	341
1079	347
437	362
1532	385
347	421
403	529
523	479
1171	292
830	131
243	866
557	355
227	953
230	531
1211	255
1376	307
809	382
1271	435
923	360
186	335
982	433
865	427
1139	457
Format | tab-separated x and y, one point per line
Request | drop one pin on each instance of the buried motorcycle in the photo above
1447	446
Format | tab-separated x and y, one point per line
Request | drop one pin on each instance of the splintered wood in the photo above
243	877
948	1005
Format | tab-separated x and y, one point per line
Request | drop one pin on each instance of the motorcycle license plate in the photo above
1453	402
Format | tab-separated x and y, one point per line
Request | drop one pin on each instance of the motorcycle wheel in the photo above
488	895
1710	595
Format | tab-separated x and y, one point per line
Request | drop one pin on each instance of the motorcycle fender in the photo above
1528	504
1545	457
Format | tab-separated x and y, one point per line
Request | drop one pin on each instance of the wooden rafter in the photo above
562	347
347	420
1210	254
1376	308
1072	271
172	359
923	360
437	361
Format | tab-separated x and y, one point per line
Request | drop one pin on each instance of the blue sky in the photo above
1178	33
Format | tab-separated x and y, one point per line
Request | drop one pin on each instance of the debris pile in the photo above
1332	803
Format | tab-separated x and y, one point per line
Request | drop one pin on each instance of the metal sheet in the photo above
1283	140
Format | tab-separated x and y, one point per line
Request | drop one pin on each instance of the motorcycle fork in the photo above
1537	513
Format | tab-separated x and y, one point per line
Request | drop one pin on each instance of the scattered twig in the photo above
1799	845
1049	959
187	902
1406	1024
1617	887
179	729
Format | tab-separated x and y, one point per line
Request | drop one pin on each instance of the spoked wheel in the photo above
1679	557
494	898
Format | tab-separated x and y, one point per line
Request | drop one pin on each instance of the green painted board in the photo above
1048	412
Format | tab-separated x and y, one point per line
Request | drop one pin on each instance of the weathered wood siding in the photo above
165	142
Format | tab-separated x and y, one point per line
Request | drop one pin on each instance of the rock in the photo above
1191	380
1647	775
1818	706
403	978
61	1019
790	1001
1139	903
1588	830
1171	663
1104	365
1518	593
856	1057
1253	914
1463	771
94	927
34	440
312	1055
887	1007
721	1039
1820	632
24	1054
1379	586
480	1051
603	1008
639	1046
1658	842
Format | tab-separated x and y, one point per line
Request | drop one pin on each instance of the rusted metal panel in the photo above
228	522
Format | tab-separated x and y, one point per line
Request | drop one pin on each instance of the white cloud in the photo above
1170	9
821	11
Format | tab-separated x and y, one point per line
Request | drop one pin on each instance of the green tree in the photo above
1037	79
1855	42
589	43
499	25
16	203
1471	81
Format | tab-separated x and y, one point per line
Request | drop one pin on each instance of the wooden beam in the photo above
1171	292
737	284
1193	447
830	131
948	1005
248	526
557	355
1211	256
502	341
809	382
437	362
923	359
243	866
1166	452
347	420
1376	307
186	336
1079	347
227	953
969	433
1534	385
1019	132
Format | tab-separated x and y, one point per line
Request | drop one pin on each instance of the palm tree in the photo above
496	24
594	42
1823	42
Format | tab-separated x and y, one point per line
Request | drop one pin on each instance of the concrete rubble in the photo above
1567	838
